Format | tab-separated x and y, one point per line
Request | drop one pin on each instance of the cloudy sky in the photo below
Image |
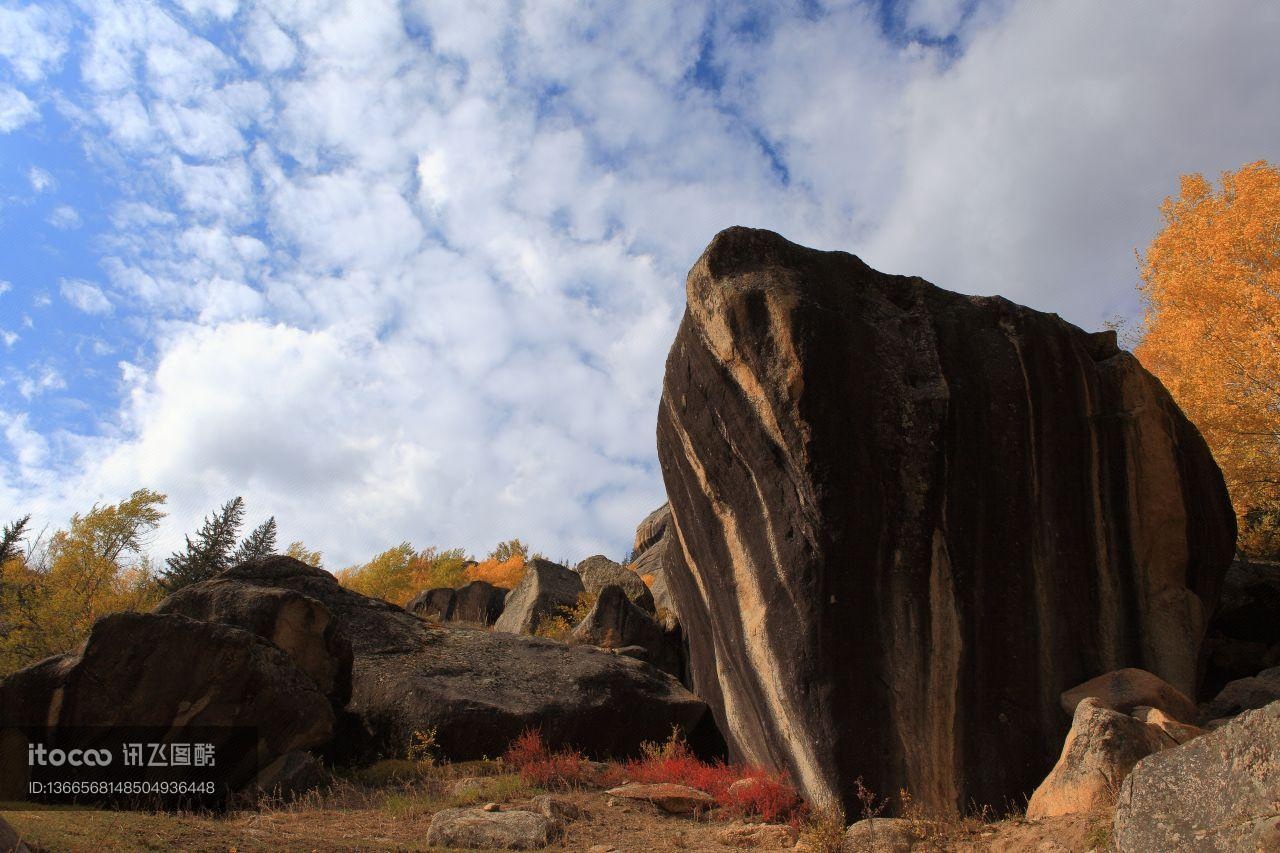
410	271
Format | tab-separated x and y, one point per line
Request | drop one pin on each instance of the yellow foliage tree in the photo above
50	599
1211	280
399	573
504	573
300	552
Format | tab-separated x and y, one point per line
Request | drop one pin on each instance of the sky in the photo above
410	271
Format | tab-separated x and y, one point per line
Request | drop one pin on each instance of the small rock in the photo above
556	809
879	835
768	836
484	830
1126	689
671	798
491	807
1178	732
601	848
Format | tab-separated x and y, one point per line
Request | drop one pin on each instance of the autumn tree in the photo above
400	573
302	553
1211	280
51	596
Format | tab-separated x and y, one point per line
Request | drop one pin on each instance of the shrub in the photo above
543	768
560	625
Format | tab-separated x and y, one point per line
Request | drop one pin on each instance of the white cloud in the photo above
9	338
16	109
85	296
5	287
42	379
33	39
64	217
40	180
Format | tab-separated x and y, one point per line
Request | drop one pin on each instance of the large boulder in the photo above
172	672
435	604
479	602
297	623
655	538
478	829
1101	749
479	689
1130	688
909	519
1221	791
615	623
1245	694
547	590
599	571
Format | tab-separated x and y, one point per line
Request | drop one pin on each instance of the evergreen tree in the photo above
260	543
10	537
210	552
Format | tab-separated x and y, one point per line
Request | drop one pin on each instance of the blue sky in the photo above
410	271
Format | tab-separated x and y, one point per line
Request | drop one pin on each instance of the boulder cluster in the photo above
915	541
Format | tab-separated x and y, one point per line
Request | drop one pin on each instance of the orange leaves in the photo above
504	573
1211	279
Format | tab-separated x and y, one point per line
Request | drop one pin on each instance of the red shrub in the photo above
543	768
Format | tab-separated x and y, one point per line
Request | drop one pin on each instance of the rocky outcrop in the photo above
1218	792
615	623
479	602
434	604
1244	636
547	589
479	689
599	571
654	538
909	519
171	672
297	623
1127	689
477	829
1101	749
1245	694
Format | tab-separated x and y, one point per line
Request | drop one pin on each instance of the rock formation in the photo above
1218	792
615	623
477	689
1127	689
599	571
479	602
546	590
909	519
654	538
1244	636
434	604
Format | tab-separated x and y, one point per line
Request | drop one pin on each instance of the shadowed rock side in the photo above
545	590
614	622
435	604
909	519
599	572
479	602
478	689
654	537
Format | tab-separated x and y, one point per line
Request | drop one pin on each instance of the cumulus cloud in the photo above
40	180
85	296
64	216
16	109
411	271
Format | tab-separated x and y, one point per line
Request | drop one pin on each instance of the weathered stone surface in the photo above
435	604
1245	694
478	829
654	538
1126	689
615	623
546	589
1218	792
879	835
1177	732
671	798
556	809
299	624
599	571
909	519
170	671
1101	749
480	689
479	602
759	836
291	775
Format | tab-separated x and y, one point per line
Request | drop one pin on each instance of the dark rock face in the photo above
170	671
654	537
479	602
434	604
599	571
479	689
1217	792
297	623
546	589
1244	636
1245	694
909	519
615	623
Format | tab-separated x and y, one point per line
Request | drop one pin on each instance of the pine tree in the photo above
258	544
210	552
10	538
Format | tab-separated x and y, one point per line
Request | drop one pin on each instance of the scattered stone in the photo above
546	589
556	809
491	807
1101	749
767	836
839	445
168	671
1245	694
299	624
671	798
492	830
1218	792
879	835
1177	732
599	572
435	604
1126	689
